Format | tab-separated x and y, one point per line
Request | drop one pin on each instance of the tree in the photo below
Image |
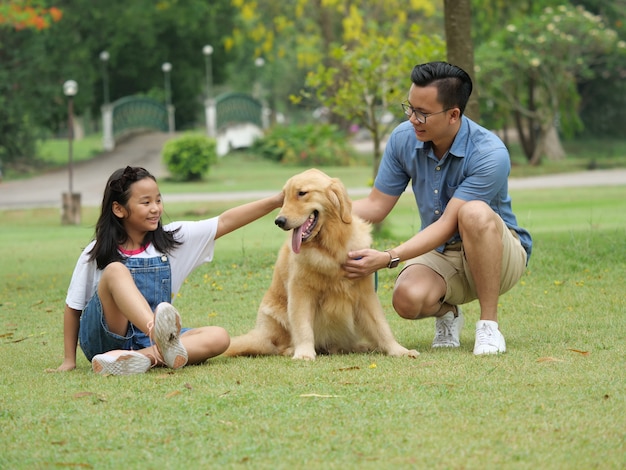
40	49
371	79
459	45
532	67
357	56
22	25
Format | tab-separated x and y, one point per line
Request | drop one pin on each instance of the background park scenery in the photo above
556	399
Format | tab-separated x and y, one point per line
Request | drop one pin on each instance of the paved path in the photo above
145	150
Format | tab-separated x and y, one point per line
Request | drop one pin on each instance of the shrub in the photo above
306	145
188	158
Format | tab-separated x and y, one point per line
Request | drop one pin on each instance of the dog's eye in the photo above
302	193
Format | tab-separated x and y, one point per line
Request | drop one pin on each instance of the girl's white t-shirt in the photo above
198	242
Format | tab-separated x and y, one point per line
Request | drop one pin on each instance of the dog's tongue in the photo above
296	239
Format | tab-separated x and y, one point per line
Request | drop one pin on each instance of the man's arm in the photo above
364	262
375	207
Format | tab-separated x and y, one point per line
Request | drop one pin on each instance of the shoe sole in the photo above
126	364
167	336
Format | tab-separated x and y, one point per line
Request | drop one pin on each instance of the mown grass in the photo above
555	400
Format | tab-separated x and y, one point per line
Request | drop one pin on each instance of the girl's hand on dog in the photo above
362	263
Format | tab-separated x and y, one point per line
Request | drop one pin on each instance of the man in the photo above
469	246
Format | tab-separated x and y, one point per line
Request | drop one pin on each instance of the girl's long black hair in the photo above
110	233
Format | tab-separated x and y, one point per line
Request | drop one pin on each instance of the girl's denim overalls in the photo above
152	277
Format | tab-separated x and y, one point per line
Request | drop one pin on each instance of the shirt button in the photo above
436	191
437	212
438	168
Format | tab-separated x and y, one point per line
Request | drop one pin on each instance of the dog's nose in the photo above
281	221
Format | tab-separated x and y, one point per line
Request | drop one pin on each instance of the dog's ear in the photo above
339	196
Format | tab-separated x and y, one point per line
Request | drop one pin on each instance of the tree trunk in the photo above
523	135
553	149
460	47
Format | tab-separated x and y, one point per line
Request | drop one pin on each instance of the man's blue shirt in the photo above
477	167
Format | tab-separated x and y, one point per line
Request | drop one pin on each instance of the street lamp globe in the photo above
166	67
70	88
104	56
207	50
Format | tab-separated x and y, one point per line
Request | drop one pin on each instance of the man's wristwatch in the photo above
394	261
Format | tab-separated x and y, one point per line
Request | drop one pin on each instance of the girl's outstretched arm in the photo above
71	322
237	217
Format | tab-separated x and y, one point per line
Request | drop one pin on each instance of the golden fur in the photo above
310	306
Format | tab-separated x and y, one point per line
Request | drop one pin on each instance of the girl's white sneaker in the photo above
120	362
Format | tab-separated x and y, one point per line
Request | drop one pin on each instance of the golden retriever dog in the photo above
311	307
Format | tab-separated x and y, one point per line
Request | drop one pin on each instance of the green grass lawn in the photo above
556	399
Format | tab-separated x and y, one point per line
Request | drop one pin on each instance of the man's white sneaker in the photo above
167	336
448	330
120	362
489	340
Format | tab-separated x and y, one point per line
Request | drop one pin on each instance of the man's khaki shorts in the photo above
452	266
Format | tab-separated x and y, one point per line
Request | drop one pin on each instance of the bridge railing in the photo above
234	119
133	114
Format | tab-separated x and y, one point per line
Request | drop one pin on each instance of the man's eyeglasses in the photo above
419	116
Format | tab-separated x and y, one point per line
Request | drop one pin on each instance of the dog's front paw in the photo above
304	354
412	353
402	351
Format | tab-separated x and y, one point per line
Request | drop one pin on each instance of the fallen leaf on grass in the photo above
582	353
426	364
549	359
26	337
72	464
317	395
6	335
173	394
88	394
349	368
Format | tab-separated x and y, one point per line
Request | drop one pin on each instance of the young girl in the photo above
118	305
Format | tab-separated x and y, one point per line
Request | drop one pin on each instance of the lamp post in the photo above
167	68
108	141
259	93
71	201
208	52
259	62
210	112
104	59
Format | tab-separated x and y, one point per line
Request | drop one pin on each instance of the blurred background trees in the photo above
547	74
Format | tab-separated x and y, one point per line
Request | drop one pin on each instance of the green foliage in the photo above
533	66
305	145
190	156
367	78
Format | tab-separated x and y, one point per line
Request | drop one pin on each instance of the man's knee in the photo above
476	218
408	302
